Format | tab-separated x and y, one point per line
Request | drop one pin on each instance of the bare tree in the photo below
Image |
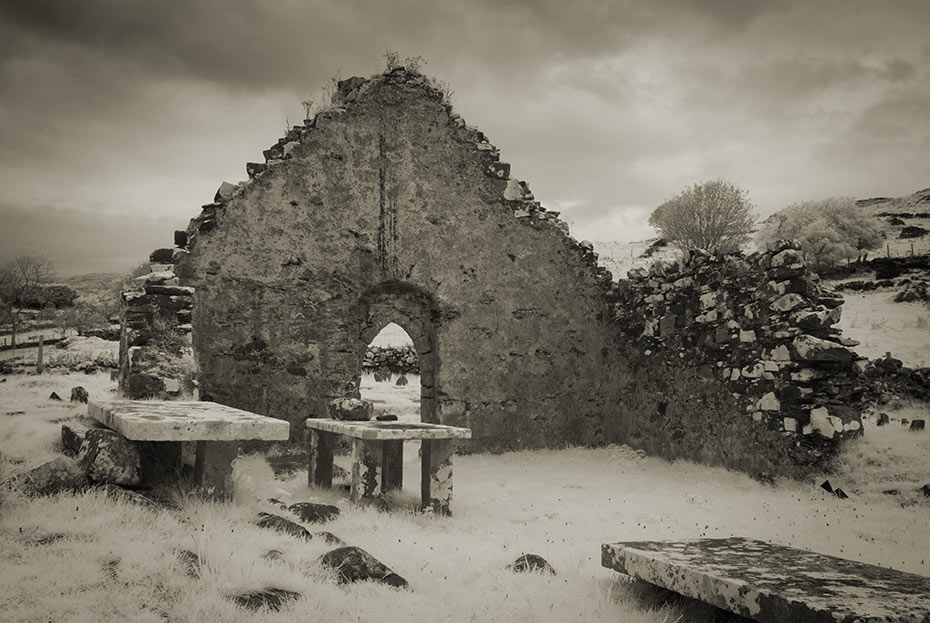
713	215
20	277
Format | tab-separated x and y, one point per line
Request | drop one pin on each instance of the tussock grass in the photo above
93	557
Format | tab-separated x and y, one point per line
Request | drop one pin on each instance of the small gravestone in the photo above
79	394
268	598
54	396
401	380
353	564
314	513
917	425
276	522
527	563
882	419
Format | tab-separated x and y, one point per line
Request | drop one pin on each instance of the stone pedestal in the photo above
366	470
436	482
320	471
213	466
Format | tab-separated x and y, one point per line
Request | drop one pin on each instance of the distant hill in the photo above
894	215
96	288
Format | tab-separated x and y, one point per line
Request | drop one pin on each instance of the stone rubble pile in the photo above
765	325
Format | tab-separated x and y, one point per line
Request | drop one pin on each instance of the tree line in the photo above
718	216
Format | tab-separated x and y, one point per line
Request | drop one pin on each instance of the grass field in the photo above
90	557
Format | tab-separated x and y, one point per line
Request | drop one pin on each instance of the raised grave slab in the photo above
774	583
378	456
167	420
215	428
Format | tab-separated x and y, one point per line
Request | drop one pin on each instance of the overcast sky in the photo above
119	118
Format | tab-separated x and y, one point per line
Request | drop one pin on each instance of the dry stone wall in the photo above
735	360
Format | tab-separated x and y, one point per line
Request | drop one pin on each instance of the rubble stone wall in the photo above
155	334
734	360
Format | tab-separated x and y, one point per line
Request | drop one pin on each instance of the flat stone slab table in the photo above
378	457
774	583
215	428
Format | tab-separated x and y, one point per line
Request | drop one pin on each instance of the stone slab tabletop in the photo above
168	420
377	431
774	583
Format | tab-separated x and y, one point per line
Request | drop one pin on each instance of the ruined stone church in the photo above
388	208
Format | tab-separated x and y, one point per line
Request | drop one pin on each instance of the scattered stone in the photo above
107	456
276	522
401	380
353	409
310	512
386	417
925	490
72	436
891	492
278	503
531	563
268	598
353	564
882	419
913	231
78	394
190	562
274	555
54	396
59	474
916	425
329	538
826	486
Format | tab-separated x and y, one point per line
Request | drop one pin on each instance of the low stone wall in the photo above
734	360
155	358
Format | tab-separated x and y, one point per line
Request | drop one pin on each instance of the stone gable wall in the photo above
390	208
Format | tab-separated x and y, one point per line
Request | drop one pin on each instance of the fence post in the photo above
40	366
888	250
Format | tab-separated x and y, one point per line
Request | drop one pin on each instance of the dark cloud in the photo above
80	241
138	109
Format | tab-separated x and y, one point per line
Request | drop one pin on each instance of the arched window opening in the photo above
391	375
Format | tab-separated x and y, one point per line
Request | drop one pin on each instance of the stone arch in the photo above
415	312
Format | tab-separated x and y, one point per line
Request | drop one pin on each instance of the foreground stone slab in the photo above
774	583
216	428
168	420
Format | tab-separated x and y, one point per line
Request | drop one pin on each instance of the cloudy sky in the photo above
119	118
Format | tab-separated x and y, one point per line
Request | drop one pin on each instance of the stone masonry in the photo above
735	360
389	208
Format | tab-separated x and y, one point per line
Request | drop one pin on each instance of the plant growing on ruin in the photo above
831	231
713	215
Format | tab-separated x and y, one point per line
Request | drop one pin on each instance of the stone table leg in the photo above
213	466
366	470
320	472
436	482
392	465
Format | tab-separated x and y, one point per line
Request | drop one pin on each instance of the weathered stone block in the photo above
59	474
107	456
353	409
810	348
